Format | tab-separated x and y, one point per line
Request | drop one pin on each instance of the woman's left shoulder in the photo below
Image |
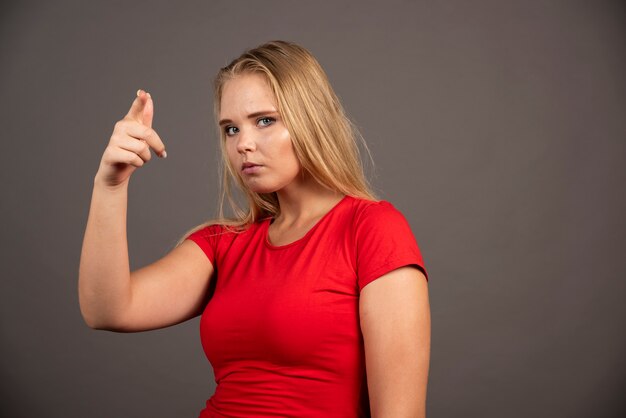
377	209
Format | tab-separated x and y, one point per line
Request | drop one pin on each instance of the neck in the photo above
304	201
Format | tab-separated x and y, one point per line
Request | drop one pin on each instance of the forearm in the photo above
104	271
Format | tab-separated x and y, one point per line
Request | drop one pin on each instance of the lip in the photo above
250	168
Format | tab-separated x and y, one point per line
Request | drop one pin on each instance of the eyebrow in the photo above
251	116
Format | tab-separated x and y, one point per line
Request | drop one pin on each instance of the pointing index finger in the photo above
148	111
142	111
136	108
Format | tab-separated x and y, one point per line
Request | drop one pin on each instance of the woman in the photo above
314	300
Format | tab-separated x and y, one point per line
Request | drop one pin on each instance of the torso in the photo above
281	328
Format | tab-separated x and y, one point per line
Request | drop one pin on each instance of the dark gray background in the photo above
497	127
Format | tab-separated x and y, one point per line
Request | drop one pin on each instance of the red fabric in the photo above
282	328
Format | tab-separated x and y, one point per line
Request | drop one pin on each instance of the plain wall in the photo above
497	127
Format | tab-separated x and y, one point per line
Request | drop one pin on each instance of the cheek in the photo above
230	147
232	154
287	152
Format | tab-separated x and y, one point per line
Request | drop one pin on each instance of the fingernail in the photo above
138	92
164	154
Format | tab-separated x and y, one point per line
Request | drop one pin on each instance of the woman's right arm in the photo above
168	291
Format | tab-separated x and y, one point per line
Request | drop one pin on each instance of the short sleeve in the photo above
384	242
207	239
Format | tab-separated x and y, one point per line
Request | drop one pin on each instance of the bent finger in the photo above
141	148
140	131
127	157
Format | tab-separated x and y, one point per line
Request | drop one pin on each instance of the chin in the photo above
262	191
261	188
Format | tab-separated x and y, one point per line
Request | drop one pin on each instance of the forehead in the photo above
245	94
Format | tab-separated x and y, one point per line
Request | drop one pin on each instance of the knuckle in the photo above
115	138
119	125
108	152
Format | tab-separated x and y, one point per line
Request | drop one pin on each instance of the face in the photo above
254	133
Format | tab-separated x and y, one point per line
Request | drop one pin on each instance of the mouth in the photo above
248	168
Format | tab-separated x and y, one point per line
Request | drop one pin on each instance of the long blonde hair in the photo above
324	139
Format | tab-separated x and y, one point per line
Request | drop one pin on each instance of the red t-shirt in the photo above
282	327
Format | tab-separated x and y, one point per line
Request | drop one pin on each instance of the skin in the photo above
256	133
395	321
111	297
394	309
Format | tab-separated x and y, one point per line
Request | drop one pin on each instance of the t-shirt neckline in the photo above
267	221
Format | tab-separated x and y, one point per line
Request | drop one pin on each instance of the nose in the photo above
245	141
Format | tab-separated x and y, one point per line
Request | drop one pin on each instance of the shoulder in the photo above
375	211
206	231
379	221
214	238
216	228
383	240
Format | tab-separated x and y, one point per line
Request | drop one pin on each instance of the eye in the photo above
265	121
230	130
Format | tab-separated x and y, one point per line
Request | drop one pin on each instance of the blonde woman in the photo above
314	298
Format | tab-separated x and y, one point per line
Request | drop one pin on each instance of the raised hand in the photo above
130	143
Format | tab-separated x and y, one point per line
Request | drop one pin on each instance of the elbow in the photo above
100	324
94	322
90	317
99	315
99	321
